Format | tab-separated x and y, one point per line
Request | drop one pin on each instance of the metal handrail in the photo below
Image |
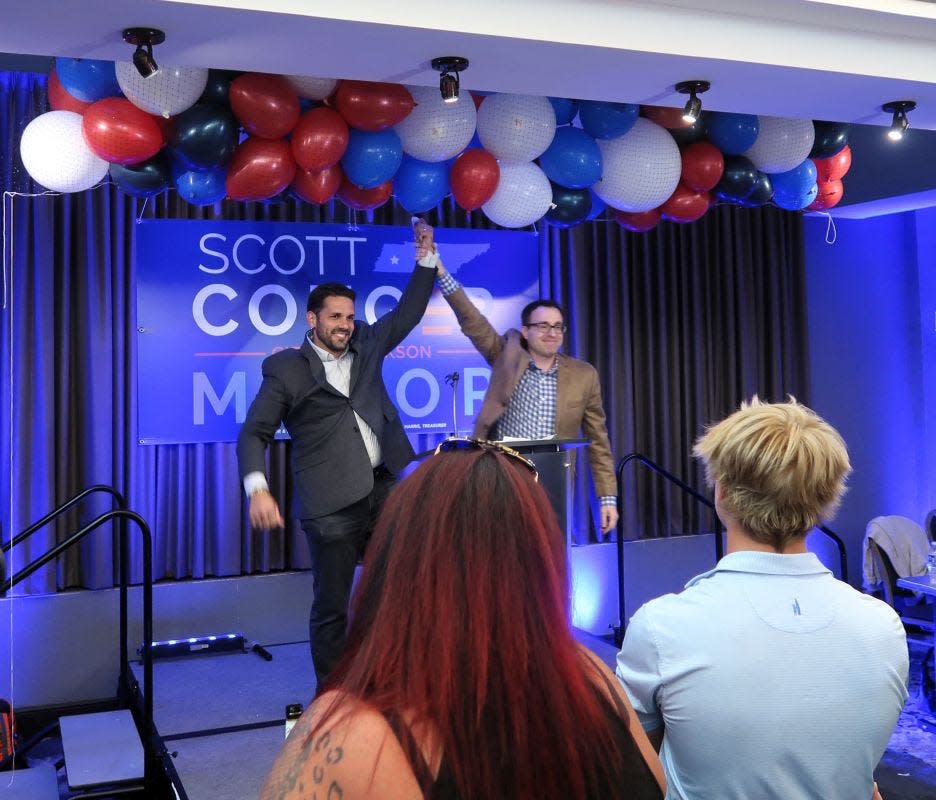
123	558
147	657
121	503
719	548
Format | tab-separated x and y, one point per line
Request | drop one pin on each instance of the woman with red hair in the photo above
461	678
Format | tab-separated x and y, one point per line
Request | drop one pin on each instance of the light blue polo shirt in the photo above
772	679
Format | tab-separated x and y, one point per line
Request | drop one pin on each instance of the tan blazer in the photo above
578	391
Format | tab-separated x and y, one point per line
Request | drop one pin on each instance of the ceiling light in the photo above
900	124
144	39
693	109
449	66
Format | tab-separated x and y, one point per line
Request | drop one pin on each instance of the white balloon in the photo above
310	87
641	169
435	130
516	128
56	155
165	93
781	144
523	196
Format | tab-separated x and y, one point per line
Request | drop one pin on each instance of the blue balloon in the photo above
731	133
796	203
372	157
565	109
200	187
421	185
573	159
597	205
86	79
795	183
607	120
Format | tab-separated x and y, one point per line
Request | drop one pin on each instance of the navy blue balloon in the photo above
372	157
87	79
738	180
831	139
607	120
204	136
421	185
200	187
762	192
565	109
573	159
597	205
731	133
689	135
788	186
798	202
218	87
569	206
144	179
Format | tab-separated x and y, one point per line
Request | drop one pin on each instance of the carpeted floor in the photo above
908	769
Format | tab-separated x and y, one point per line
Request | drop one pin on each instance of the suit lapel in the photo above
316	368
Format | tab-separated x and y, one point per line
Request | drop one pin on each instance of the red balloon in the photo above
266	105
372	106
119	132
259	169
473	178
318	186
363	199
686	204
666	117
319	139
702	166
60	99
477	99
830	192
834	167
637	221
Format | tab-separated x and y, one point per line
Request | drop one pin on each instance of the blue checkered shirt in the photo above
531	412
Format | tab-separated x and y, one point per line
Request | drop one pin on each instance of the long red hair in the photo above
461	620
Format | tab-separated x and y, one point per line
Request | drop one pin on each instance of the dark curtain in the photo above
682	323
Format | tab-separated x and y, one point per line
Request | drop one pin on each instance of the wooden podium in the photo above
553	460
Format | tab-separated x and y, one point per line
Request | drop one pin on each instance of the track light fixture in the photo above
449	66
144	39
900	124
693	109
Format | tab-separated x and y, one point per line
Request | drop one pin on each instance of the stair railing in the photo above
122	515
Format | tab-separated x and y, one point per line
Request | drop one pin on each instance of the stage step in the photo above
101	749
36	783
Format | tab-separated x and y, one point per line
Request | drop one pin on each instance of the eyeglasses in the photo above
467	443
545	327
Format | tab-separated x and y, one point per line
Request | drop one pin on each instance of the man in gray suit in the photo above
347	439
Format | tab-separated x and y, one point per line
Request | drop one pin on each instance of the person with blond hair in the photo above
767	677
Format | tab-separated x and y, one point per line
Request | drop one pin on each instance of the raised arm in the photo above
394	326
487	341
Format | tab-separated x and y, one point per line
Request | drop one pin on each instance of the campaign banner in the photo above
214	298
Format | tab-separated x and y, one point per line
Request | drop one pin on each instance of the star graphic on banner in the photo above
394	260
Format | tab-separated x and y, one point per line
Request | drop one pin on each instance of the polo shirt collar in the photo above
756	562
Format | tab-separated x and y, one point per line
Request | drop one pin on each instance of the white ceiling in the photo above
819	59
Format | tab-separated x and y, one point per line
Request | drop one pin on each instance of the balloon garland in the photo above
213	134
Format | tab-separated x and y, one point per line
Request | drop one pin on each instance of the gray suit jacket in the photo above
330	465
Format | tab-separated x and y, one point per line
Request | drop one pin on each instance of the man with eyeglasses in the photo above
536	392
